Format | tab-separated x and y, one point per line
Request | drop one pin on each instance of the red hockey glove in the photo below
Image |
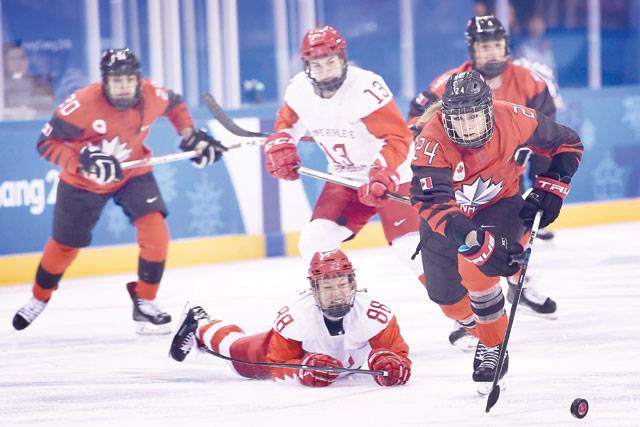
281	156
381	180
494	256
315	378
398	367
549	190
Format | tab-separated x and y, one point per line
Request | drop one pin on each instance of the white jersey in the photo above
304	322
340	126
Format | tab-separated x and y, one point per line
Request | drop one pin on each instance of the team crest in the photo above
470	196
115	148
459	173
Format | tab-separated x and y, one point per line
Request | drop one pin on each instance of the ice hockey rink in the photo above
80	362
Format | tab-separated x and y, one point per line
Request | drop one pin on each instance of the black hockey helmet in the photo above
120	62
486	28
465	96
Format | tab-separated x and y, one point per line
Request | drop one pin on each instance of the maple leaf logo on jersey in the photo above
116	149
478	193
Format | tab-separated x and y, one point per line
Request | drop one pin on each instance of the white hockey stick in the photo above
159	160
184	155
347	183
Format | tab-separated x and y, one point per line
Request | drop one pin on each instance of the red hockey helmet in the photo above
323	41
319	43
333	283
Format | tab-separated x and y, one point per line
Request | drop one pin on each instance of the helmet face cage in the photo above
120	62
335	294
319	43
467	107
333	283
481	29
485	130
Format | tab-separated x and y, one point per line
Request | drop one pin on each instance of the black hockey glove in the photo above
98	166
549	190
210	149
494	257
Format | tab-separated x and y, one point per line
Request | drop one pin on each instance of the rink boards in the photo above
234	210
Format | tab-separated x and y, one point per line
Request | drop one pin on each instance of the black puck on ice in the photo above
579	407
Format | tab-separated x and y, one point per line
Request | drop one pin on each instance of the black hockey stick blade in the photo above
216	110
493	398
297	366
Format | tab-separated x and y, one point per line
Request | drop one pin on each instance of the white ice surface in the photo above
80	363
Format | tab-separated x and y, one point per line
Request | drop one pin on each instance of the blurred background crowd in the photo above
244	51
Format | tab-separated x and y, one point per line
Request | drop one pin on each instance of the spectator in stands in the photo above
25	96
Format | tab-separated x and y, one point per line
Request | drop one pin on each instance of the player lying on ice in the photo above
330	325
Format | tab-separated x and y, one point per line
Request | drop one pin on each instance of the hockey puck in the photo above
579	407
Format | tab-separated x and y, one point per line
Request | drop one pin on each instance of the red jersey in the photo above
518	84
451	183
86	117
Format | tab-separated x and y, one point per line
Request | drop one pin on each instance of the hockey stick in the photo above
233	127
297	366
347	183
226	121
184	155
495	388
159	160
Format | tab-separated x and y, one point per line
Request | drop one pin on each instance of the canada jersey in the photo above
369	324
517	84
358	125
86	117
450	179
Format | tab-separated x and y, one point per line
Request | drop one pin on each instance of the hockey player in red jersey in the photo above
331	325
351	115
487	43
90	134
465	187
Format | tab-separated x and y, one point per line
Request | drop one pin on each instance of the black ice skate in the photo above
149	318
485	363
462	339
28	313
532	301
184	340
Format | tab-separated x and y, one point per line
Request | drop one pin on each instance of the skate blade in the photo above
467	343
146	328
526	310
484	389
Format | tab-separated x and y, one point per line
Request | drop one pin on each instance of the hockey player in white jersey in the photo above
351	115
331	325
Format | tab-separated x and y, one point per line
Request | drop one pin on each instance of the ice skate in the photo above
184	340
485	363
532	301
462	339
149	318
544	234
28	313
